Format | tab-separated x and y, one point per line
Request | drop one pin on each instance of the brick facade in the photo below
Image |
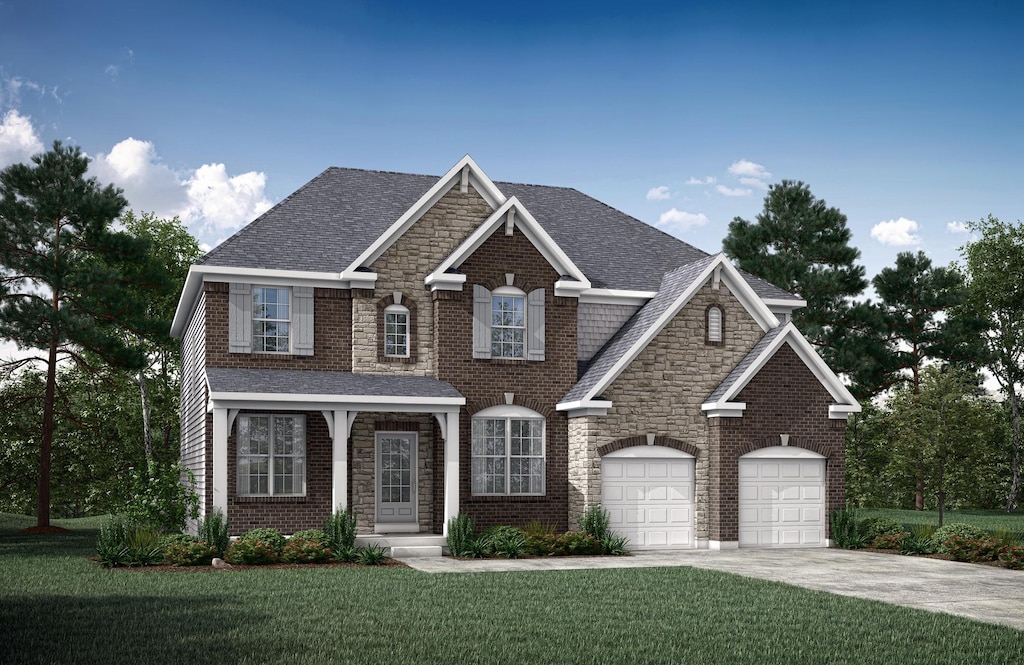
783	398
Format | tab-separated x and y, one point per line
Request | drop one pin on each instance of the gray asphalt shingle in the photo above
292	381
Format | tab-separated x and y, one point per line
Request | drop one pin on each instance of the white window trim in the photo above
509	413
506	292
270	457
398	309
289	320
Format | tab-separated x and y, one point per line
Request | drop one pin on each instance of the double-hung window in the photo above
396	331
271	455
271	319
508	323
508	452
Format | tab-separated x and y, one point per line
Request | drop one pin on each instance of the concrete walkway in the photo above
984	593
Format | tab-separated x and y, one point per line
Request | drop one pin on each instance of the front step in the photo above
405	545
401	552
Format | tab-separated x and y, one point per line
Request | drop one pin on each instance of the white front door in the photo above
396	478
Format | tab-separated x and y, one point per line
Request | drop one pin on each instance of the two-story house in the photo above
412	347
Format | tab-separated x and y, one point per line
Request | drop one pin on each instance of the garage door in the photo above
648	493
782	498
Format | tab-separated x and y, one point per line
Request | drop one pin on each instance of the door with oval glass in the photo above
396	481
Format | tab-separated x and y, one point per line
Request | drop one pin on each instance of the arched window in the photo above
396	331
713	325
508	451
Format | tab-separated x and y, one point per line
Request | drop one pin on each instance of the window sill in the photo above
506	498
290	498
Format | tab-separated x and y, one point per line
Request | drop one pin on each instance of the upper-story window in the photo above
271	319
508	323
713	325
396	331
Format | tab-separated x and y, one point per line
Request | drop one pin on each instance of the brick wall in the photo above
784	398
538	384
332	334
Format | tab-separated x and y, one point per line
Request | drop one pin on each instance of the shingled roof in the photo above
304	382
329	221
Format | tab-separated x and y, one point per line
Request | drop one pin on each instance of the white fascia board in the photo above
722	409
445	281
186	302
233	400
581	405
568	288
529	226
616	297
785	303
481	183
842	411
756	307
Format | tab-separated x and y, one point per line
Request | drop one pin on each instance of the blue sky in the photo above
905	116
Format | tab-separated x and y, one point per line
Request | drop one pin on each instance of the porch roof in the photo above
293	386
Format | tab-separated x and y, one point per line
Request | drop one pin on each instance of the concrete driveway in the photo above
985	593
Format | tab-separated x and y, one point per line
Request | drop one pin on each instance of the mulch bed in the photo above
45	529
390	563
944	557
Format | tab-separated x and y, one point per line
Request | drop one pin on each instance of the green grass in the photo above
57	607
990	520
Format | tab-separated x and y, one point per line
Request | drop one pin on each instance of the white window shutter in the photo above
481	322
535	325
302	320
239	318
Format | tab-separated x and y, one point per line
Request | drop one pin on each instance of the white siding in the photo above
193	398
596	324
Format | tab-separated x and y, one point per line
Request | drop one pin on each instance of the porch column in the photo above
451	468
220	460
339	464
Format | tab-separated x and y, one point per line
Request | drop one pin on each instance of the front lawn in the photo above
990	520
57	607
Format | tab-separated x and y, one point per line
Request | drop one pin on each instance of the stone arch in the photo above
794	442
641	440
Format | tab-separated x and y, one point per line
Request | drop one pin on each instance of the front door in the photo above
396	478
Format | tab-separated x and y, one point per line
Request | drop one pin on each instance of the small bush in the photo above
967	531
477	549
373	555
845	533
460	534
507	542
1008	538
919	540
564	544
538	528
595	522
177	539
271	537
195	553
614	545
889	541
972	550
302	548
1012	556
340	530
873	527
213	530
347	555
111	544
495	535
311	534
252	552
157	496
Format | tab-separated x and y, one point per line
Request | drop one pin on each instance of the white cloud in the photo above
754	182
749	169
18	139
148	183
222	203
710	180
731	191
957	227
658	193
679	220
896	232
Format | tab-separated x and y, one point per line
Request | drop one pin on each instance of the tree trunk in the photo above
941	494
147	435
919	493
46	445
1011	499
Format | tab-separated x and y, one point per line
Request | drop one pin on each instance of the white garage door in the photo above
782	498
648	493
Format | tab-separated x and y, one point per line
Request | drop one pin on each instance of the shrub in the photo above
340	531
1008	538
373	555
302	548
564	544
195	553
873	527
157	496
614	545
460	534
477	549
595	522
125	542
967	531
347	555
1012	556
143	546
311	534
844	529
889	541
177	539
538	528
972	550
509	543
213	530
919	541
252	552
272	537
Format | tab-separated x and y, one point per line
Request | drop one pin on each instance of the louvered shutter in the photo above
302	320
239	318
535	325
481	322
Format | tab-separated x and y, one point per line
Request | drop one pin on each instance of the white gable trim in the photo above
737	285
616	296
455	176
846	403
441	279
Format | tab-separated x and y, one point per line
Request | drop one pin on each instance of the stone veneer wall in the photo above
661	392
363	465
332	334
286	514
403	268
784	398
536	384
